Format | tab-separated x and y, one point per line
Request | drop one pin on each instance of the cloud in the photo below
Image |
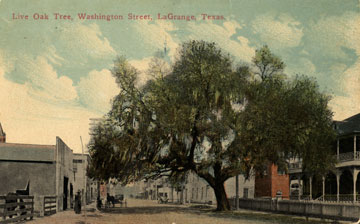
53	57
85	41
332	34
349	104
142	66
29	120
231	27
96	90
43	81
40	100
238	46
153	35
40	77
278	32
301	66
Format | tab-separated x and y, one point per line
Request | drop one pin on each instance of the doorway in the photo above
65	199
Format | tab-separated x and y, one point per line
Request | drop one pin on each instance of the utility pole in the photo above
237	192
84	164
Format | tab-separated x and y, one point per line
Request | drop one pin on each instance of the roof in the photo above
27	152
349	125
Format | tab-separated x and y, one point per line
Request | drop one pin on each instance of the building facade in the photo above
343	183
195	189
64	175
273	183
43	169
83	183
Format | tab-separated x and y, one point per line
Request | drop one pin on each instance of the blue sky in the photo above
54	74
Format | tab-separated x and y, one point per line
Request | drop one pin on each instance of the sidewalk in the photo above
69	216
280	216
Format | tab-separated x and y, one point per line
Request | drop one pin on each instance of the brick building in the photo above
273	183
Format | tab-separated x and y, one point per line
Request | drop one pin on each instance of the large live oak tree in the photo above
207	116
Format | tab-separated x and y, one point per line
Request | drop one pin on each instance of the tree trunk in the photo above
221	198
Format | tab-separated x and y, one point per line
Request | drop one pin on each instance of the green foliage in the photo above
287	119
267	64
205	116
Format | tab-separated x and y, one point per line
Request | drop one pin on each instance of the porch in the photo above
339	185
342	185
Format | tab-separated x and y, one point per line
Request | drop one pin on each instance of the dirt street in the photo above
150	212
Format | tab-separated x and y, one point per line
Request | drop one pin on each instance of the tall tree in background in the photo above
284	119
205	116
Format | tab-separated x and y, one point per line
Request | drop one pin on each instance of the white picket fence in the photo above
329	210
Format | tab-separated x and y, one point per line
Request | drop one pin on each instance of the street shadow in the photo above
210	212
147	209
93	215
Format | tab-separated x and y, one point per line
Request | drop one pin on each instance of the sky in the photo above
55	71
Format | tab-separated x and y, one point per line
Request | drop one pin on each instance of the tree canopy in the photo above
210	117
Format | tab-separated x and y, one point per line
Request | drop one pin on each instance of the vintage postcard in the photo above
155	111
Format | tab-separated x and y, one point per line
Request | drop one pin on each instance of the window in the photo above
265	172
281	171
246	193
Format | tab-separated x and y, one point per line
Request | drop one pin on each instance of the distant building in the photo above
197	190
152	189
80	163
273	183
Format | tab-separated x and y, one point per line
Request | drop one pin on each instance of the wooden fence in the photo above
16	208
49	205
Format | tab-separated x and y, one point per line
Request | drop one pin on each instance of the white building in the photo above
80	163
197	190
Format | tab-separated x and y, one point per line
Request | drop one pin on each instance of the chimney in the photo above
2	135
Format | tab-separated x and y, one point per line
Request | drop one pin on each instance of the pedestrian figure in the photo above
77	206
98	202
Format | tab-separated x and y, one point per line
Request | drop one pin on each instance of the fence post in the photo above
4	217
42	206
32	208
